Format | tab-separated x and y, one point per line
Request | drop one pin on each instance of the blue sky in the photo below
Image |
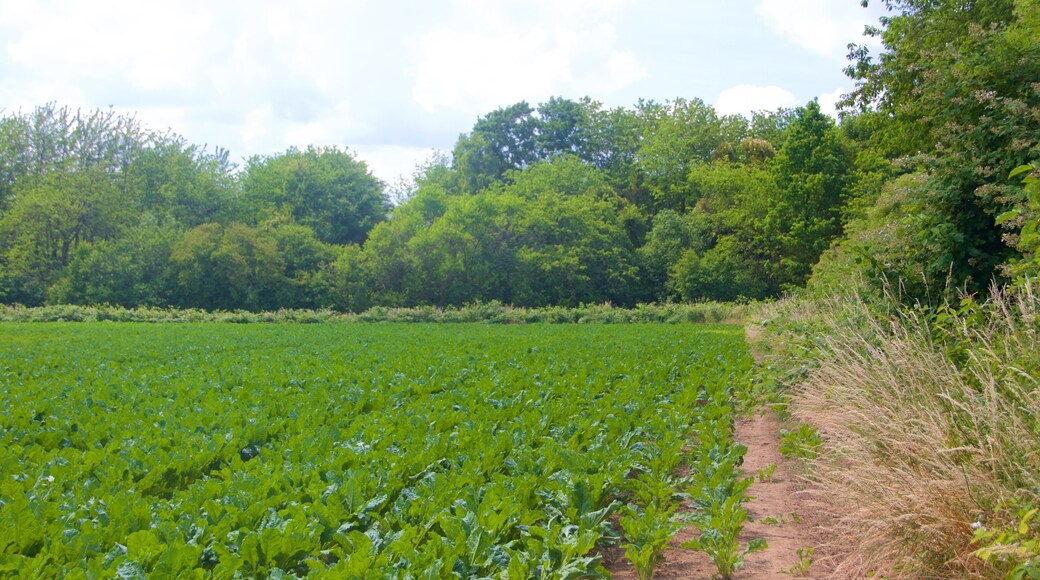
394	80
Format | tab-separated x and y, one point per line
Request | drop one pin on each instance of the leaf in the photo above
1021	169
1023	526
1010	214
757	545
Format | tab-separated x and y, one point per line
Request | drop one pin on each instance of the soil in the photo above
777	498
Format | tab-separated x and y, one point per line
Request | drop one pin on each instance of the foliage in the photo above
1028	242
648	533
803	443
325	189
805	559
490	312
128	271
342	450
765	474
1019	547
956	86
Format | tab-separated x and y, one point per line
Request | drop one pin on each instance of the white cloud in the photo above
154	48
387	79
746	99
393	162
829	102
825	27
499	54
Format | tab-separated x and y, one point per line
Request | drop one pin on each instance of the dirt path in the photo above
787	530
777	512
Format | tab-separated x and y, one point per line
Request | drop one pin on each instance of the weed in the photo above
765	475
801	568
803	443
1019	549
930	418
781	519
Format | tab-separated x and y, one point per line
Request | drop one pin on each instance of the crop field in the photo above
360	450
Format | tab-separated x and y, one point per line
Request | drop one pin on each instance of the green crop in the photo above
417	451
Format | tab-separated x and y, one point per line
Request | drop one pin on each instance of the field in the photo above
363	450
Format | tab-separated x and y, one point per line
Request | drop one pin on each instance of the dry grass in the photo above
923	437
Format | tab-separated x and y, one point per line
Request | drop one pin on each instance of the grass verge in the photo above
930	422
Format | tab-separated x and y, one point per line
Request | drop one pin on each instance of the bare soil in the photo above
778	498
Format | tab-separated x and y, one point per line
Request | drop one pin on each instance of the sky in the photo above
395	80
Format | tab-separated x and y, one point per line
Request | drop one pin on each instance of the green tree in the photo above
132	270
687	133
501	141
671	236
228	267
323	188
956	83
814	171
182	181
346	283
47	222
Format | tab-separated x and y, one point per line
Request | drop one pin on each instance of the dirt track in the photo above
777	498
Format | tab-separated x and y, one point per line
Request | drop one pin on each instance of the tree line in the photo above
565	203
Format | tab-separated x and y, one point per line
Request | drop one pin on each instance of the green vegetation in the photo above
801	568
929	422
357	450
492	312
719	491
904	236
910	359
803	442
765	474
565	204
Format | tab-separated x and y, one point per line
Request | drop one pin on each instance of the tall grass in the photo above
931	427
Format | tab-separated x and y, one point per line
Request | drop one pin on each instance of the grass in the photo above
930	422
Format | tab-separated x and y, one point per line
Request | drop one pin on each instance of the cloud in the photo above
393	162
490	56
387	78
825	27
746	99
829	102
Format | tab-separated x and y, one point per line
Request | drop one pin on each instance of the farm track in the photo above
778	498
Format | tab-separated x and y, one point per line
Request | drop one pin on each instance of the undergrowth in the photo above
930	429
489	312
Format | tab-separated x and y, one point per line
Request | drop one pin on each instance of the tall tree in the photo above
182	181
814	172
501	141
47	222
324	188
687	133
956	82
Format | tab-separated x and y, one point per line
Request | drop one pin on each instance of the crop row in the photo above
370	450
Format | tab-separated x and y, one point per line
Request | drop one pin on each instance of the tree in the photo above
956	83
814	171
688	132
346	283
325	189
132	270
671	236
501	141
562	128
228	267
182	181
47	222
